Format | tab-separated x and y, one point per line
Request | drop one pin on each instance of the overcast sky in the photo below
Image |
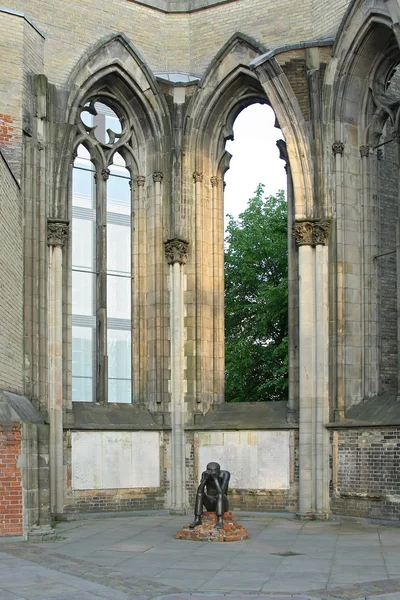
255	158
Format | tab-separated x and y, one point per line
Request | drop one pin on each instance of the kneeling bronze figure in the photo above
212	493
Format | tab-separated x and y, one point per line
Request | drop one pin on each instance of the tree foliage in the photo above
256	301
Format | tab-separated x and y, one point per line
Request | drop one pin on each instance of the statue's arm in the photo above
225	477
203	481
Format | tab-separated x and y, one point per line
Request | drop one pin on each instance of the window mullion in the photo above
101	287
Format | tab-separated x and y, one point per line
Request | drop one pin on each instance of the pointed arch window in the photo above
101	258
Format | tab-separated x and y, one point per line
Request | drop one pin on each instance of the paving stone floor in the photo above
137	556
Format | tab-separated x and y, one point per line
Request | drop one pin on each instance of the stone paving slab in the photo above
139	557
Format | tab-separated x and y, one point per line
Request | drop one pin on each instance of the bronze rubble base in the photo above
206	532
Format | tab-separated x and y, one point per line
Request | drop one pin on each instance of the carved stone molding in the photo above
157	177
140	180
364	151
314	232
198	177
176	250
214	181
57	232
338	148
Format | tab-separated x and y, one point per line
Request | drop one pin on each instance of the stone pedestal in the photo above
206	532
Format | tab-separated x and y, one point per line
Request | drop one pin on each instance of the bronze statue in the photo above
212	493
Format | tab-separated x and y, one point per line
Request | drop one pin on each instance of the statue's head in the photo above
213	468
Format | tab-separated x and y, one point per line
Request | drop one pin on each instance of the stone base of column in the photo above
306	516
322	516
41	533
178	511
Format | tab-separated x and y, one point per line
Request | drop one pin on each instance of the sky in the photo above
255	158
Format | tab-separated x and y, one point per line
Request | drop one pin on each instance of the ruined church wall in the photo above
11	281
171	41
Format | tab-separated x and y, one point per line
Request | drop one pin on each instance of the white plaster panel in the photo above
256	459
115	459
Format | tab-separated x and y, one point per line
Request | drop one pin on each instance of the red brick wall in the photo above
10	481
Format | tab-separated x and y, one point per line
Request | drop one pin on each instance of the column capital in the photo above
140	180
338	148
57	232
176	250
214	181
158	177
321	232
302	233
364	151
312	232
198	177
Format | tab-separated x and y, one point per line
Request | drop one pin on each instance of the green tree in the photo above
256	301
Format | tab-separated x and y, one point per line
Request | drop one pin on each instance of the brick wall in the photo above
366	467
11	282
176	41
11	519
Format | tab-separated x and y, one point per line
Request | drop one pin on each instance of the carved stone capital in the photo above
314	232
321	232
338	148
157	177
198	177
57	232
176	251
214	181
140	180
302	233
364	151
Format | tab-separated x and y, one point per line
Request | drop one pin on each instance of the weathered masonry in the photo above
113	123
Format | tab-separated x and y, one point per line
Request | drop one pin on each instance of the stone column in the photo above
311	236
177	252
338	149
57	234
321	480
302	232
139	292
157	325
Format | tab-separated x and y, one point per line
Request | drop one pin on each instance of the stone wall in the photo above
11	280
365	474
125	471
263	467
11	505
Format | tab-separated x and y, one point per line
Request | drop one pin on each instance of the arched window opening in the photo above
256	262
101	261
388	192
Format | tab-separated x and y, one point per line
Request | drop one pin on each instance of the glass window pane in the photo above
82	364
119	365
118	193
82	188
82	389
82	293
118	249
118	297
82	243
119	390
